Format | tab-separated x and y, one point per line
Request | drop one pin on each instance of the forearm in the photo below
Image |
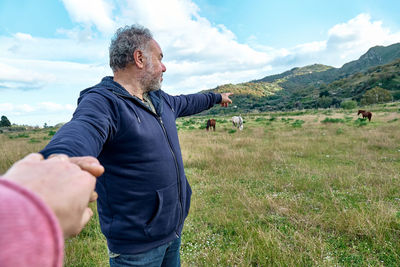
196	103
77	138
30	233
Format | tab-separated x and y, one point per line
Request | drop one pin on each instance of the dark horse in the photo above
211	123
365	114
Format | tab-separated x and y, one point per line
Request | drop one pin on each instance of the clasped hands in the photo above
65	184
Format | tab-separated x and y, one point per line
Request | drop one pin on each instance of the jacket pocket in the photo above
167	215
188	197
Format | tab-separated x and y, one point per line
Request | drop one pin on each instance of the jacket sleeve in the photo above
29	230
94	121
186	105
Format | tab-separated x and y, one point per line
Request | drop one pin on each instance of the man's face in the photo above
154	68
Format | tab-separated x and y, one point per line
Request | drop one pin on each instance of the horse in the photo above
365	114
211	123
237	121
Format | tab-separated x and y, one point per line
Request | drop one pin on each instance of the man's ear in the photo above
138	57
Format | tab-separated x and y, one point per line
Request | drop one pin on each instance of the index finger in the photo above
89	164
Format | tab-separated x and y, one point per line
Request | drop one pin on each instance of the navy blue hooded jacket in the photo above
144	196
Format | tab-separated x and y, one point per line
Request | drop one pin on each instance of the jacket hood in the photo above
109	84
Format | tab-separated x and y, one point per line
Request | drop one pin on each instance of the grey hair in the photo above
125	41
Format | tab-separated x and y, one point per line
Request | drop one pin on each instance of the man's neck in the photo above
129	81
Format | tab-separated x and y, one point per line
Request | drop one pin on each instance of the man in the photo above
128	123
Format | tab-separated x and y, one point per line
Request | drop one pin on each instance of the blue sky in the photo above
50	50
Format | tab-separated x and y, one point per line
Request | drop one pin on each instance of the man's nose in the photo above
164	69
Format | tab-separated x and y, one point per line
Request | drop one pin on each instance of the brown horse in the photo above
365	114
211	123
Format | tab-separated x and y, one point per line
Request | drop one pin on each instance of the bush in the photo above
376	95
339	131
297	123
188	122
332	120
360	122
349	104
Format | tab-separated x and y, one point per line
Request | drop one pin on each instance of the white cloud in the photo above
349	40
345	42
6	107
91	12
23	36
68	49
49	106
12	77
18	109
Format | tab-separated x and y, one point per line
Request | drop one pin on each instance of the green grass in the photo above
275	194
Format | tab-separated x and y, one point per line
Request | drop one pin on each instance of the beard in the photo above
149	81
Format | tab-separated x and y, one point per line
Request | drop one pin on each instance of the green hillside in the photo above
321	86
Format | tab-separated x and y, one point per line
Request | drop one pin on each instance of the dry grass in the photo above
278	194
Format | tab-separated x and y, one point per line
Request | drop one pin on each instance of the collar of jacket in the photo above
116	88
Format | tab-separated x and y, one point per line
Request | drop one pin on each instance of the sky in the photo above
50	50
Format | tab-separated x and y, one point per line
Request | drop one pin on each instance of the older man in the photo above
128	123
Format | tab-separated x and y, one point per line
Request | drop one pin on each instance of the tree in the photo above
376	95
4	122
349	104
324	102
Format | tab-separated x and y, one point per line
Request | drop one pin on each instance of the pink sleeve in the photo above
29	231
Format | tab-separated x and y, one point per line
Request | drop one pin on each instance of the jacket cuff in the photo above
218	98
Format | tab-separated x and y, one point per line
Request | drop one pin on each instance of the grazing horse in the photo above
211	123
237	121
365	114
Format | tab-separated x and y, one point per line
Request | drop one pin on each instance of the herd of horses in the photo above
237	121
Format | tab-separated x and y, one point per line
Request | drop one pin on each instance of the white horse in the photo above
237	121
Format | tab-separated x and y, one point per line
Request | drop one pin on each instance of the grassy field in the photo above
306	188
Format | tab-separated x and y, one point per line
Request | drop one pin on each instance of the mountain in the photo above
319	85
375	56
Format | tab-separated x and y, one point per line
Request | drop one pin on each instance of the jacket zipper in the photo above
159	119
177	171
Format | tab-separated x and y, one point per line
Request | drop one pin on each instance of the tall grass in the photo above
322	194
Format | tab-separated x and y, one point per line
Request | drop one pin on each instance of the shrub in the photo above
376	95
339	131
360	122
297	123
332	120
231	131
188	122
349	104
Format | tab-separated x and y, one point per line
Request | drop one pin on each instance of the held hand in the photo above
225	99
89	164
61	184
